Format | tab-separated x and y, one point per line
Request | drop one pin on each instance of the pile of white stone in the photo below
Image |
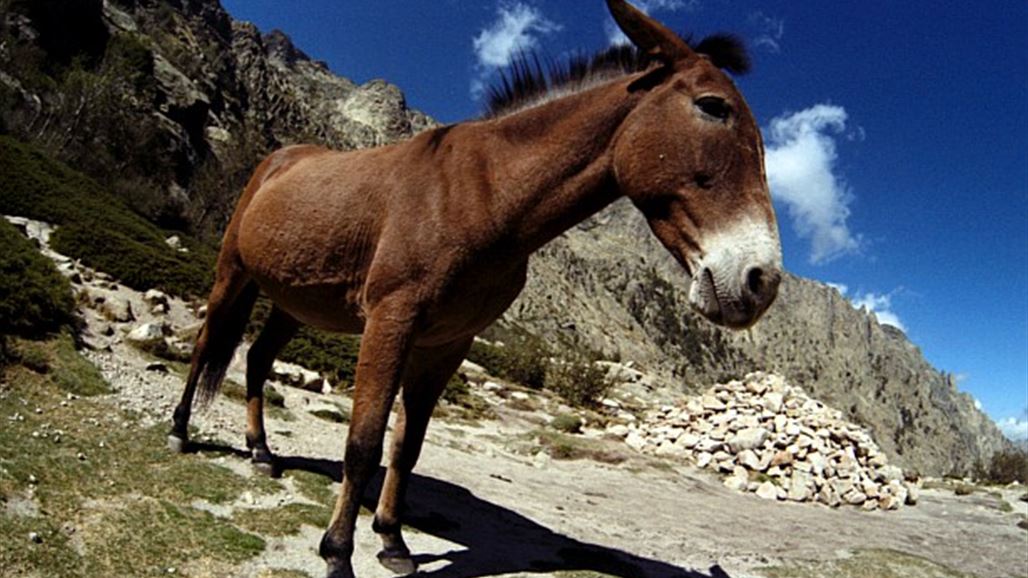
770	438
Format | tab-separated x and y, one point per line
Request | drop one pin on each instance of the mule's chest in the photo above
471	302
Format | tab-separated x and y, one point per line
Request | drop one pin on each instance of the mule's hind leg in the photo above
423	383
228	309
277	331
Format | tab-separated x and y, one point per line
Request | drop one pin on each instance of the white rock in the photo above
619	430
635	441
703	459
749	459
748	439
146	334
772	401
767	491
737	483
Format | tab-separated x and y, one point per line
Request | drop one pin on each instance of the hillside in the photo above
169	104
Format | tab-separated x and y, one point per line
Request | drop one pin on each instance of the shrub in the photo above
567	423
523	360
579	381
34	298
1008	466
98	227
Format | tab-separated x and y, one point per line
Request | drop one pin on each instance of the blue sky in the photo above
897	137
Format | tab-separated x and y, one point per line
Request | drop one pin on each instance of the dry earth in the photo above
488	500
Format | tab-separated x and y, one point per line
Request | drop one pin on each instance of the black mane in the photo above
527	79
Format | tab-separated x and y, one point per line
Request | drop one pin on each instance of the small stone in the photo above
782	458
712	403
767	491
736	483
749	459
855	497
33	480
913	494
635	441
81	456
799	487
703	459
772	401
35	538
688	440
749	439
619	430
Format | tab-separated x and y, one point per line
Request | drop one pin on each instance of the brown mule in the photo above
422	244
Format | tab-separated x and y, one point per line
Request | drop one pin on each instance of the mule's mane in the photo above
526	81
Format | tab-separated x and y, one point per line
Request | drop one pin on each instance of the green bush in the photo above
34	298
523	360
579	381
567	423
1008	466
98	227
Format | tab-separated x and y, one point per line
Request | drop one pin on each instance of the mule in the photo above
420	245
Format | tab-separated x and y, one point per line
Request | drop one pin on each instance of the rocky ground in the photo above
495	495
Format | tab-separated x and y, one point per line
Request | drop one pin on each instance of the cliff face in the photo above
178	102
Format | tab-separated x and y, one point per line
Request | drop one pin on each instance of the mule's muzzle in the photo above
735	301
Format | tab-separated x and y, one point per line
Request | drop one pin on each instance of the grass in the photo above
57	359
314	487
121	509
34	298
866	564
284	520
98	227
561	446
567	423
331	415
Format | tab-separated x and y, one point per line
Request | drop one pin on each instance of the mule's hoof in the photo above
265	467
176	444
341	570
398	562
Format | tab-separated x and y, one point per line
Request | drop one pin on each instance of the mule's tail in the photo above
222	332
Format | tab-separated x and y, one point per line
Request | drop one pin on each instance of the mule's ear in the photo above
650	36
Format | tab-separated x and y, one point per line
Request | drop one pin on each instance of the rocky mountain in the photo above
609	286
172	102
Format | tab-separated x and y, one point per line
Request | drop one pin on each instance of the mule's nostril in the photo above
755	280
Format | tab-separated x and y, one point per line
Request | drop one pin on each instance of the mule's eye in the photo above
715	107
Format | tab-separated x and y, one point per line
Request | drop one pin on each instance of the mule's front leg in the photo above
423	382
383	354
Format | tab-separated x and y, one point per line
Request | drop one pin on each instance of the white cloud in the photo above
517	27
614	34
881	306
769	31
1015	429
842	289
800	161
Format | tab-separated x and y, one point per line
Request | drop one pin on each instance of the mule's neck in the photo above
555	162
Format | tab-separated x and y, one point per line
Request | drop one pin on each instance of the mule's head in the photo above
691	158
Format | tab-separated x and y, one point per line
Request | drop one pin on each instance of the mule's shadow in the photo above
496	540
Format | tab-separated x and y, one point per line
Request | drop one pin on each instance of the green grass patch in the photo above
283	521
561	446
315	487
567	423
98	227
866	564
118	489
34	298
65	368
331	415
